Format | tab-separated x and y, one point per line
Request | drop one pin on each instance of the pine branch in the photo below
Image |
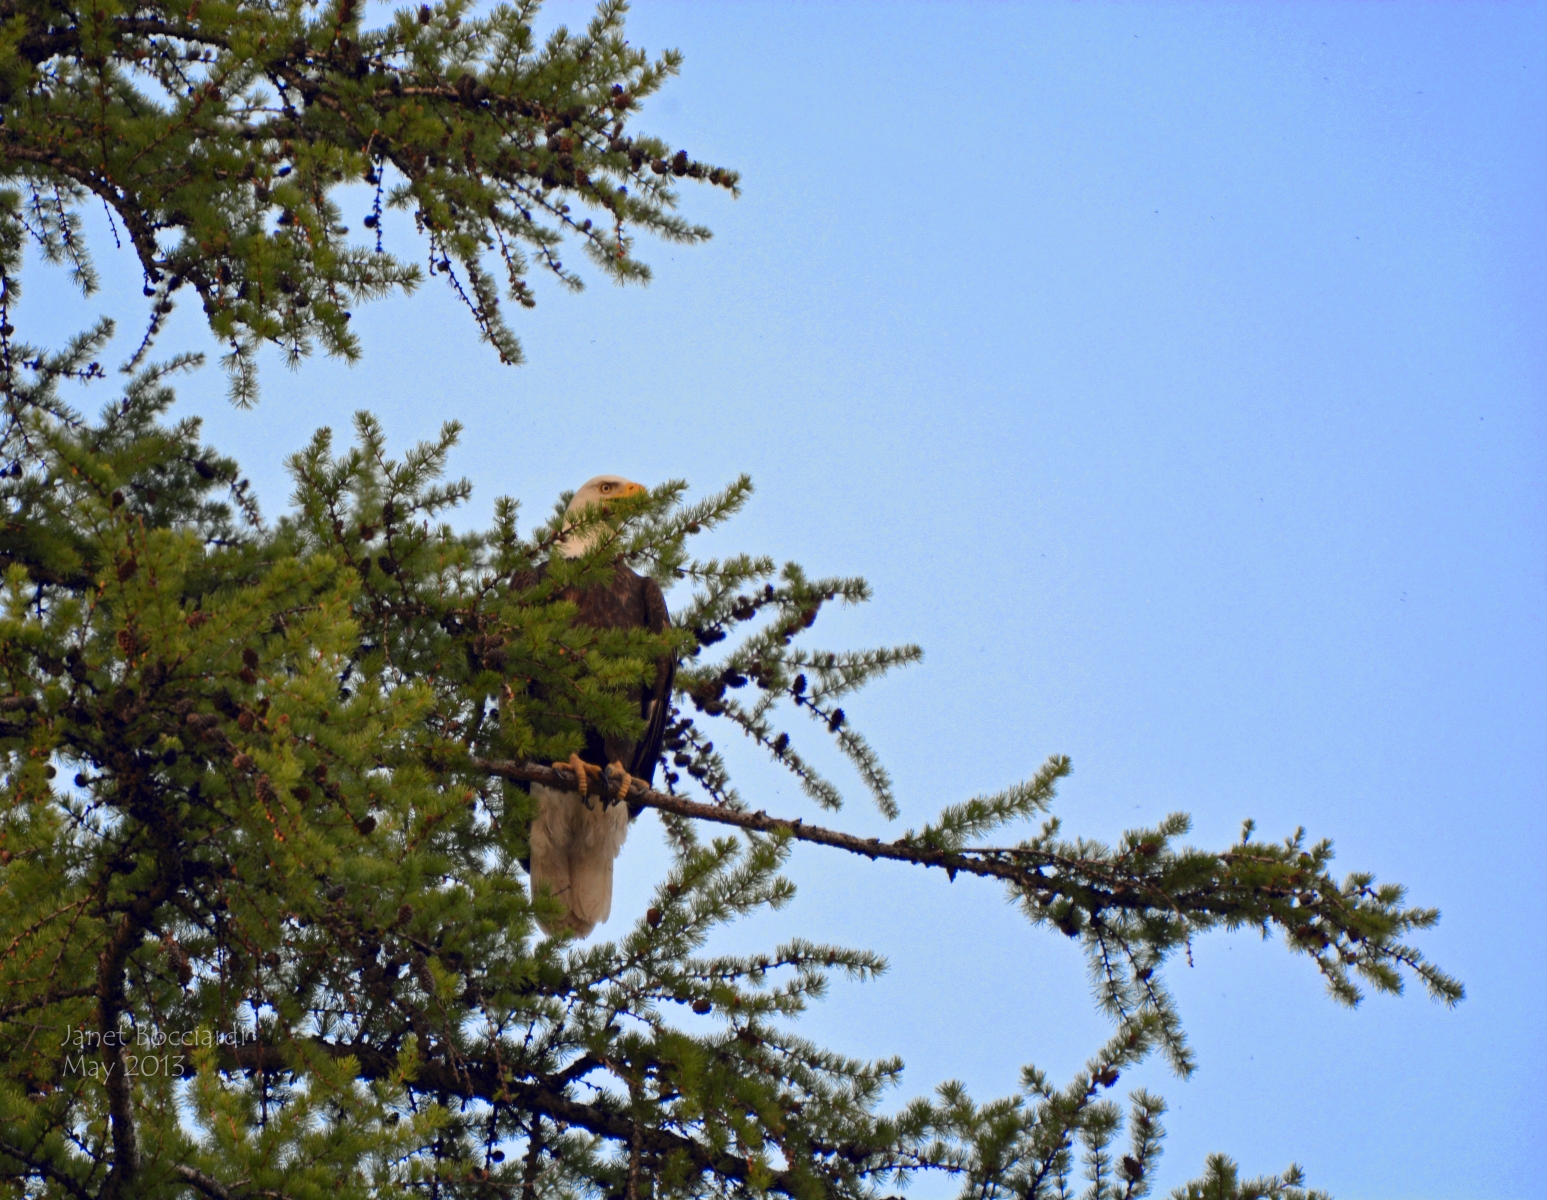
1147	893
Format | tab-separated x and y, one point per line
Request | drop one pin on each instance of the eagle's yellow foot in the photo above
622	782
578	768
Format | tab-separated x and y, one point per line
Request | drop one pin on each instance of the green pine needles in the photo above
217	132
264	927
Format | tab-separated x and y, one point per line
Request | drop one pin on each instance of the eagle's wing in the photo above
655	705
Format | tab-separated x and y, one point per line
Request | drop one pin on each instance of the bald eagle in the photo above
575	837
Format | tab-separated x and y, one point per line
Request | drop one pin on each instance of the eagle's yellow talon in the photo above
622	782
577	767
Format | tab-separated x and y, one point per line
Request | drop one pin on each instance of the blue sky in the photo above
1175	374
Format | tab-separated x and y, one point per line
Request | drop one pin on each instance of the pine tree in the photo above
264	930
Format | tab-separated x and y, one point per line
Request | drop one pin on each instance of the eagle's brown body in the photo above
629	601
574	841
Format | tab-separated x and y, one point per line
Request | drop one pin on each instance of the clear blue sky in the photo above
1176	376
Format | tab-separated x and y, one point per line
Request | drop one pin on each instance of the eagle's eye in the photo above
606	487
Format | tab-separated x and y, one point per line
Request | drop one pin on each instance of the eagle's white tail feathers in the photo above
572	851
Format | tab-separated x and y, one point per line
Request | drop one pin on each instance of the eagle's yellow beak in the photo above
632	489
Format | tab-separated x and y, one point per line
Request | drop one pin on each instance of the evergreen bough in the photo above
264	789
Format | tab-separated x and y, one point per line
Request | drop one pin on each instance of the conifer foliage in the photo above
264	930
216	133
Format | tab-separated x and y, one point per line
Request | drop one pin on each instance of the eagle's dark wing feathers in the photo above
655	704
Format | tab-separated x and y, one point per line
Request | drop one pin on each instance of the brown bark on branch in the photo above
212	1188
1094	884
760	822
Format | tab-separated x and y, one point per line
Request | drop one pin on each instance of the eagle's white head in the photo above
597	490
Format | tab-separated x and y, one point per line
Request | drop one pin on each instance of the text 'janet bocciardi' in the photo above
141	1051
